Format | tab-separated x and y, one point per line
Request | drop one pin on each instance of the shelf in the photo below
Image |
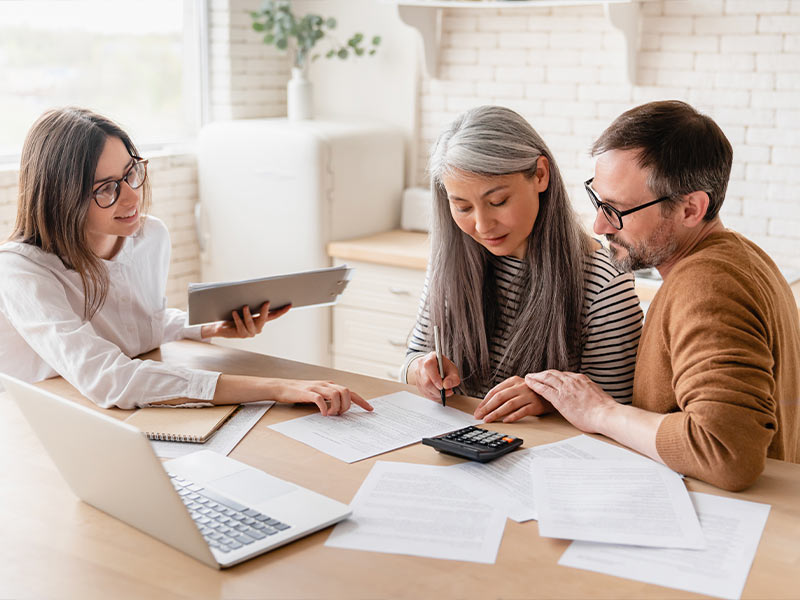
426	17
502	3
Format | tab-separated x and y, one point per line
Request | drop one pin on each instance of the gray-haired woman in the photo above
514	282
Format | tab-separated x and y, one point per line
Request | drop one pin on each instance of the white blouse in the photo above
43	333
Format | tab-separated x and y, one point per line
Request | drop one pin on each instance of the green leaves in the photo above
286	31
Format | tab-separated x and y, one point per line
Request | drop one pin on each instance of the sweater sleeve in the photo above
722	368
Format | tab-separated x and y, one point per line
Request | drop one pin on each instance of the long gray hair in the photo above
490	141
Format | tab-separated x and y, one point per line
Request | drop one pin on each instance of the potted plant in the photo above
298	36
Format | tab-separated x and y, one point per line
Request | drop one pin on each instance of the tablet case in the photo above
210	302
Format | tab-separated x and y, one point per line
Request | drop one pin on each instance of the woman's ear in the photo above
541	178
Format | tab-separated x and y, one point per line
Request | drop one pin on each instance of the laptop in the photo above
211	507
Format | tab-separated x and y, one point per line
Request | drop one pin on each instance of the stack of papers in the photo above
629	516
508	481
420	510
732	530
615	501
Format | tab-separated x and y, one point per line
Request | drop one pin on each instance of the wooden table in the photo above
55	546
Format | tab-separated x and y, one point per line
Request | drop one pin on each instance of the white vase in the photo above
298	96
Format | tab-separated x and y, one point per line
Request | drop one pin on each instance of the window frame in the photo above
195	76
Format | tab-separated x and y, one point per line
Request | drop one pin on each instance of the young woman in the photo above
514	283
84	274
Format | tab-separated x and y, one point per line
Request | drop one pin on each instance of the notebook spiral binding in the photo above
171	437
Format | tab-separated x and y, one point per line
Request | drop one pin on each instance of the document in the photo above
732	529
641	503
399	419
418	510
226	437
508	481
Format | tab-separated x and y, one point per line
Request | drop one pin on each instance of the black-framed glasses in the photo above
613	215
107	194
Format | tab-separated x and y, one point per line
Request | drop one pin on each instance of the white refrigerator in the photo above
273	193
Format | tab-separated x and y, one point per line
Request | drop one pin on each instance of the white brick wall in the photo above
174	184
247	77
736	60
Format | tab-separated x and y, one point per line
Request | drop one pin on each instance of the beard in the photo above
652	252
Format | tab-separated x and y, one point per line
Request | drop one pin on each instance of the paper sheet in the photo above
404	508
732	528
398	420
508	481
641	503
225	438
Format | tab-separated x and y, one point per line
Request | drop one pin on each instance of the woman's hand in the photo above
246	325
510	401
330	398
424	373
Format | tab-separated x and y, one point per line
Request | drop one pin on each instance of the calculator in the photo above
474	443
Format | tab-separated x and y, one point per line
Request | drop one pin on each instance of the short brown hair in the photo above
57	169
685	150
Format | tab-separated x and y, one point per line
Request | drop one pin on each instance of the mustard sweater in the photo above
720	352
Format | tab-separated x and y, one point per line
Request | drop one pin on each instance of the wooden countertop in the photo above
396	248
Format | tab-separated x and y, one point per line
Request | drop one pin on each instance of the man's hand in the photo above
579	399
581	402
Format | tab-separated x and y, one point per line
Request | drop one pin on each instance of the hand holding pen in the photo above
431	381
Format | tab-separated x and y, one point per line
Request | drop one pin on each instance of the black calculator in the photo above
474	443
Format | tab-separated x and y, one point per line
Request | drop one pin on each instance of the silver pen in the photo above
438	346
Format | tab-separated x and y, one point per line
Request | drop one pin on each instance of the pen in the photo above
439	358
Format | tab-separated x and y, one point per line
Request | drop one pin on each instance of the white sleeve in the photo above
175	327
39	310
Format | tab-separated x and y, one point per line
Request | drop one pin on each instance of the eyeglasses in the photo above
613	215
107	194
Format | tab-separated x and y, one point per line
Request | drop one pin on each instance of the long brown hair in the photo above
489	141
59	160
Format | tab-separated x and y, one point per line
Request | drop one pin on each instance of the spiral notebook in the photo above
180	424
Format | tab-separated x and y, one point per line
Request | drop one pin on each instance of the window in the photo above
135	62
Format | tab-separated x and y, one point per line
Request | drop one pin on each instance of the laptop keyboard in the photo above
225	524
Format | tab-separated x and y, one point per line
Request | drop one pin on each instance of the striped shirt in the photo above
611	323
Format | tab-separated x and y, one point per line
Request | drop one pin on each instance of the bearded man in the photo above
717	378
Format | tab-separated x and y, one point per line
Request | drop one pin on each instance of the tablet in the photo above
210	302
